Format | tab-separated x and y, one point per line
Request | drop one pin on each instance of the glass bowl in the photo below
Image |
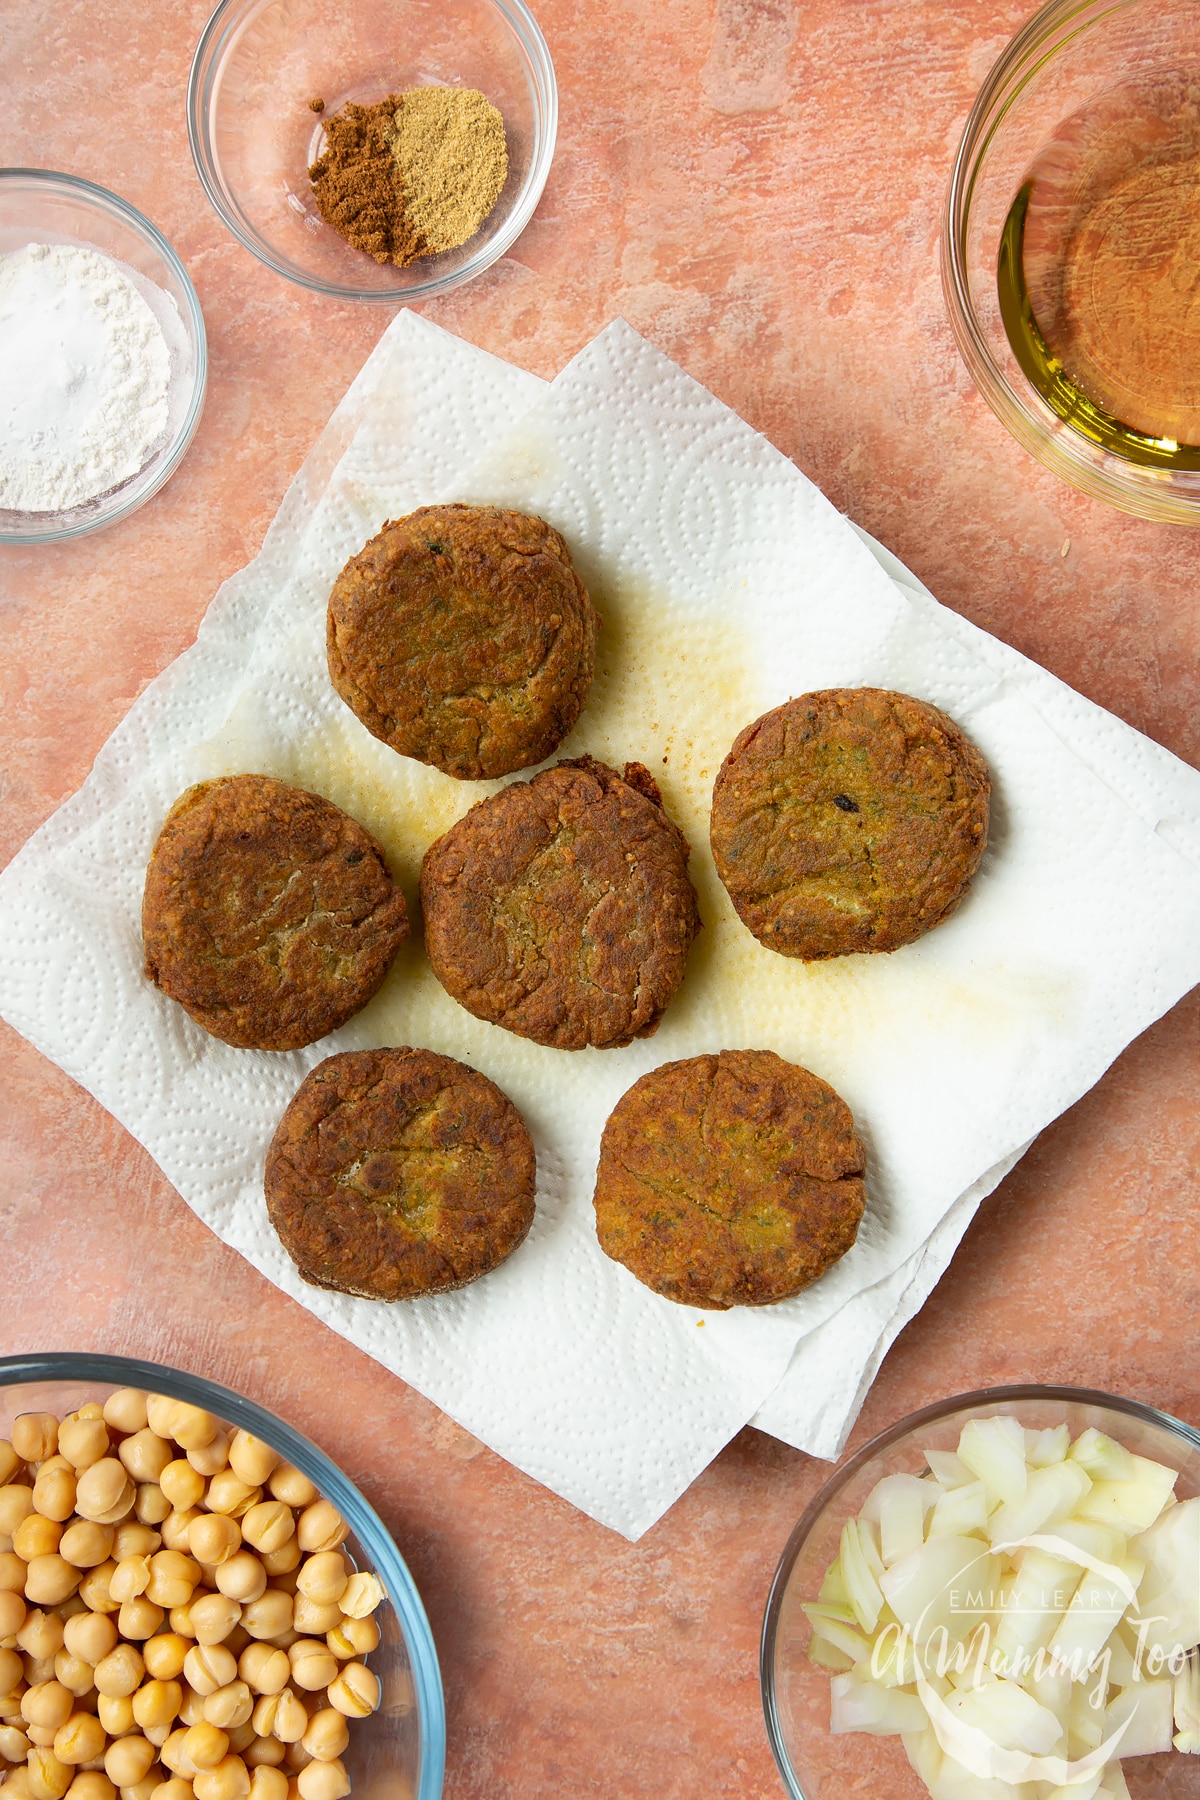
398	1753
253	136
38	206
814	1763
1072	57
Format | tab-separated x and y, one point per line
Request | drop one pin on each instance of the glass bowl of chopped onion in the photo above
268	75
175	1507
996	1599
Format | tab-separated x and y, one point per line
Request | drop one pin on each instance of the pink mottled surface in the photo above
755	185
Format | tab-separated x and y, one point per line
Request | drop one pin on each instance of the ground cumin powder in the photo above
415	174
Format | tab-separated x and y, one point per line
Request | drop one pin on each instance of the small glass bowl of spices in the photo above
374	151
102	357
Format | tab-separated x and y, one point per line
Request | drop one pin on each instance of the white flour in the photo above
84	373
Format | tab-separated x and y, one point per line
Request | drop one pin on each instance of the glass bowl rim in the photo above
1026	418
105	200
902	1428
528	33
125	1371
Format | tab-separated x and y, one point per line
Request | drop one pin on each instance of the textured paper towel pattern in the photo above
692	532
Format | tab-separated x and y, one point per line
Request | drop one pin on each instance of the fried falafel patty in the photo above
561	908
850	819
397	1172
268	913
462	636
729	1180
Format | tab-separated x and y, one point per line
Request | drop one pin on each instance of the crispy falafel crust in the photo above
397	1172
268	912
729	1180
462	636
851	819
561	908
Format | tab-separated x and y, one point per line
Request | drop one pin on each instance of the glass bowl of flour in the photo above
102	357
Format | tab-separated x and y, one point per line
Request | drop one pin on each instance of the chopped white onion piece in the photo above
1149	1709
1169	1596
1132	1505
995	1450
882	1712
1102	1457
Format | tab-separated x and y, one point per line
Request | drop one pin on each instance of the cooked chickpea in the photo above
141	1790
36	1536
35	1436
229	1495
173	1756
17	1785
264	1669
242	1578
176	1527
229	1707
324	1577
311	1620
323	1781
269	1525
266	1781
164	1655
16	1503
327	1735
12	1672
74	1673
251	1460
129	1760
289	1485
38	1669
361	1595
314	1665
209	1667
49	1779
54	1490
230	1780
49	1704
173	1578
296	1757
14	1745
82	1739
212	1457
104	1493
175	1789
321	1527
10	1462
94	1589
86	1545
280	1563
355	1691
12	1613
150	1504
120	1672
192	1710
140	1618
90	1636
145	1455
12	1573
213	1617
263	1753
192	1427
83	1441
91	1784
269	1615
157	1703
134	1539
213	1538
51	1579
205	1745
182	1484
125	1410
115	1713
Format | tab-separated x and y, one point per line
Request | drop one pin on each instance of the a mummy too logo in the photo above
995	1643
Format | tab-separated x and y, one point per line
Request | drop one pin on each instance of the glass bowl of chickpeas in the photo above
195	1603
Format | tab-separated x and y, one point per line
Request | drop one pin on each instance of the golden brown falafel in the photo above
850	819
398	1172
268	913
729	1180
462	636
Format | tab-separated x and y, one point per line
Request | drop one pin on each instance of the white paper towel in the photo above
726	583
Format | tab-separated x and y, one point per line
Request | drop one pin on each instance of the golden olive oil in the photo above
1098	273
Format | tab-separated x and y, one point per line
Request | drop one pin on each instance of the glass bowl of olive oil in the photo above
1071	248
